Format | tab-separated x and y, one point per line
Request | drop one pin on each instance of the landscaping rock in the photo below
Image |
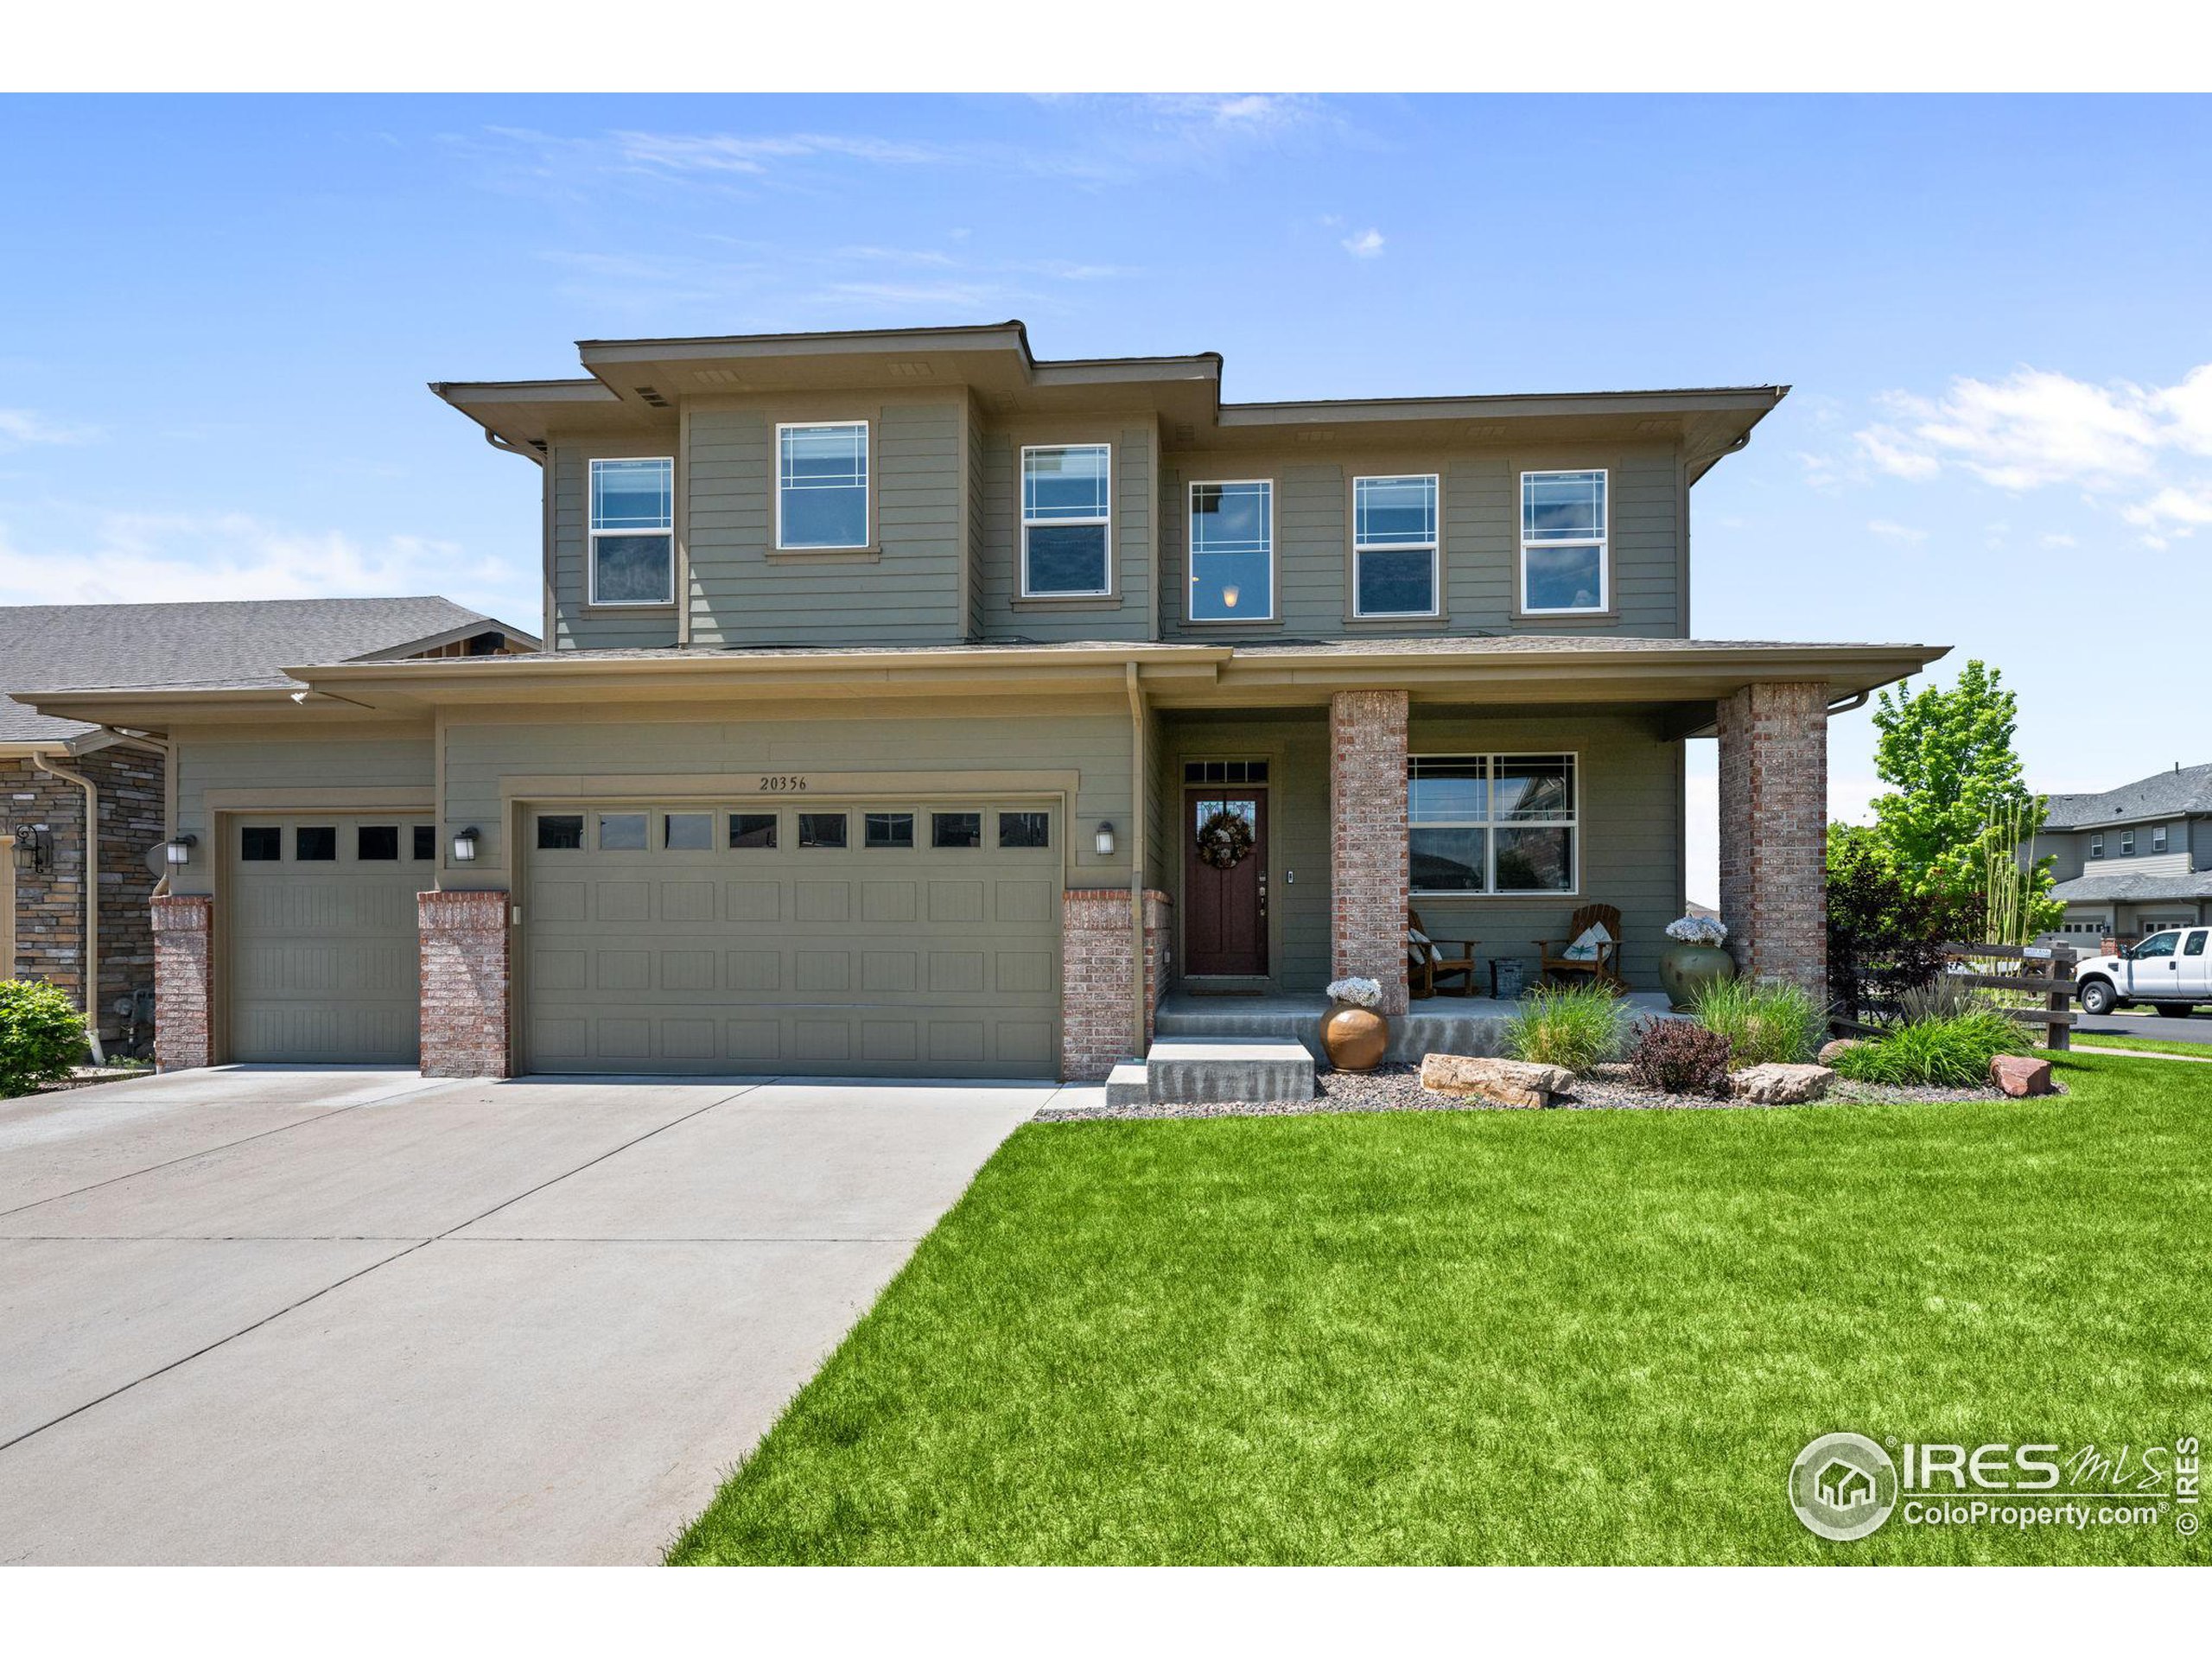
1829	1051
1781	1085
1510	1082
2020	1076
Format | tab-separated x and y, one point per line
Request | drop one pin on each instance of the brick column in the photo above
183	982
1774	831
1367	840
465	977
1095	1022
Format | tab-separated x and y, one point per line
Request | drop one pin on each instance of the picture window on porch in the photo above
1491	824
1224	772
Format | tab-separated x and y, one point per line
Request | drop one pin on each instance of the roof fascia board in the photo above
1750	400
1011	336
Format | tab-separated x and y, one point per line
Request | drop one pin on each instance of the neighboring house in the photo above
51	767
2132	860
893	673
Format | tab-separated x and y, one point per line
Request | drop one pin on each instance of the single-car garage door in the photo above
319	921
857	939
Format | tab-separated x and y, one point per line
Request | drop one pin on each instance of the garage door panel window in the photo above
752	829
956	829
821	830
315	844
621	832
1018	830
377	842
560	832
687	832
260	843
426	841
890	829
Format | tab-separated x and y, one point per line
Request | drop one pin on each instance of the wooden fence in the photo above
2044	970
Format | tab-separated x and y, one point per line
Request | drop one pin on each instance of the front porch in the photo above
1442	1024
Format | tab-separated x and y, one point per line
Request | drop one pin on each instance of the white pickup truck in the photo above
2172	971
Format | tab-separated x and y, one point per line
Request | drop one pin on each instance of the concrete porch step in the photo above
1185	1071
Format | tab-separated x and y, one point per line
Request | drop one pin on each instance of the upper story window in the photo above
1394	546
2158	838
634	531
2096	846
1233	551
1563	541
2127	843
821	485
1066	520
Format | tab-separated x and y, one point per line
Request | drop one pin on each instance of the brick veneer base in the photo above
465	978
1774	831
1095	1022
183	929
1367	840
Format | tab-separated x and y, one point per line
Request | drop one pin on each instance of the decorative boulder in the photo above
1829	1051
1781	1085
2020	1076
1510	1082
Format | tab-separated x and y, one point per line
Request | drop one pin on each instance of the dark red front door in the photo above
1224	903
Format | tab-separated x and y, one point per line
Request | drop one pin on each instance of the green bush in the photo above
1945	1051
1766	1023
42	1036
1577	1027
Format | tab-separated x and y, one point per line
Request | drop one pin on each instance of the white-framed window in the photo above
2127	843
2096	846
1394	546
1563	554
1067	519
1232	576
821	485
632	560
2158	838
1493	823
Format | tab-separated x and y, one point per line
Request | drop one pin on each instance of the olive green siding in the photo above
1479	518
575	624
1125	615
905	590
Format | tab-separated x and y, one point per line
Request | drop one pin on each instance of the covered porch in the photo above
1443	1025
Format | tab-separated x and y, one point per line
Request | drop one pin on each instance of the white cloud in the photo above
1889	530
1366	244
2172	506
165	558
26	426
2059	539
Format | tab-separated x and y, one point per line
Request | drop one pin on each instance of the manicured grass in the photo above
1505	1336
2130	1043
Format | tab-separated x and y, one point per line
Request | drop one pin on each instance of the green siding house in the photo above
911	706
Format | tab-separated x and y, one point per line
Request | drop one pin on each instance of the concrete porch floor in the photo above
1437	1025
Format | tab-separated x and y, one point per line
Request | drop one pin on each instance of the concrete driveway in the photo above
262	1315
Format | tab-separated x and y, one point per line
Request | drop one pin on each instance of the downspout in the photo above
1139	819
92	898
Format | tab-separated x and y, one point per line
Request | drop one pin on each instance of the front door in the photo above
1225	882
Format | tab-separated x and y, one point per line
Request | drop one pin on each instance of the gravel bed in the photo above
1397	1089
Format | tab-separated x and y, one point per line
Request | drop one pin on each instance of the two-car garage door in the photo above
861	938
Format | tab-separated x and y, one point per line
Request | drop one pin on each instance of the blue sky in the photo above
219	315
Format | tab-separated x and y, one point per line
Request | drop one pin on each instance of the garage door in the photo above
855	939
319	917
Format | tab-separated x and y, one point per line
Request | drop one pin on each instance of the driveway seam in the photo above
386	1262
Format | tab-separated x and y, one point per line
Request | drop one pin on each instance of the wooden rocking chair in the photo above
1604	968
1428	959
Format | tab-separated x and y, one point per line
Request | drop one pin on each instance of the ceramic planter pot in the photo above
1686	970
1354	1037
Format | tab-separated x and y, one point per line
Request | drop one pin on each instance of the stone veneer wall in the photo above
50	908
1774	831
1366	842
182	927
465	977
1095	977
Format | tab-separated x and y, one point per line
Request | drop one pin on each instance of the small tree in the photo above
42	1036
1883	935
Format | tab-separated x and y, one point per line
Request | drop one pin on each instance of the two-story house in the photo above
2132	860
915	706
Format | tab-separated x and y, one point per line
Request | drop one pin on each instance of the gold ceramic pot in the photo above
1354	1037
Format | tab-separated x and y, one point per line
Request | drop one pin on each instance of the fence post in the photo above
2059	1035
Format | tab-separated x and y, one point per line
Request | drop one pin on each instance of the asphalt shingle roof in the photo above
2131	887
219	643
2162	795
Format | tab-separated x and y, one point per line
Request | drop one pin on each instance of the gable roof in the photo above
2133	887
2162	795
221	643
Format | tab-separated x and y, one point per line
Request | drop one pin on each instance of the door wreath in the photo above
1225	839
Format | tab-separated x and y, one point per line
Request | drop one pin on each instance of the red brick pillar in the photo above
184	982
1367	840
1774	831
465	977
1096	1022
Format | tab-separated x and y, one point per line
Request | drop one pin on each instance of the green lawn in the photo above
1503	1335
2129	1043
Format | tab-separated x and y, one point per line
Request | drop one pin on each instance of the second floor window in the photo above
1563	541
1232	552
1067	521
2158	838
633	532
1394	546
821	485
2096	846
2127	843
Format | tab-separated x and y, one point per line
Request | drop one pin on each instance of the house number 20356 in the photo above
782	783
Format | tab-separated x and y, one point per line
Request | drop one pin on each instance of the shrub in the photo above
42	1036
1765	1022
1577	1027
1882	935
1681	1058
1947	1051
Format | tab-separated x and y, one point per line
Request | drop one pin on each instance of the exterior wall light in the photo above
179	850
34	848
464	846
1104	840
